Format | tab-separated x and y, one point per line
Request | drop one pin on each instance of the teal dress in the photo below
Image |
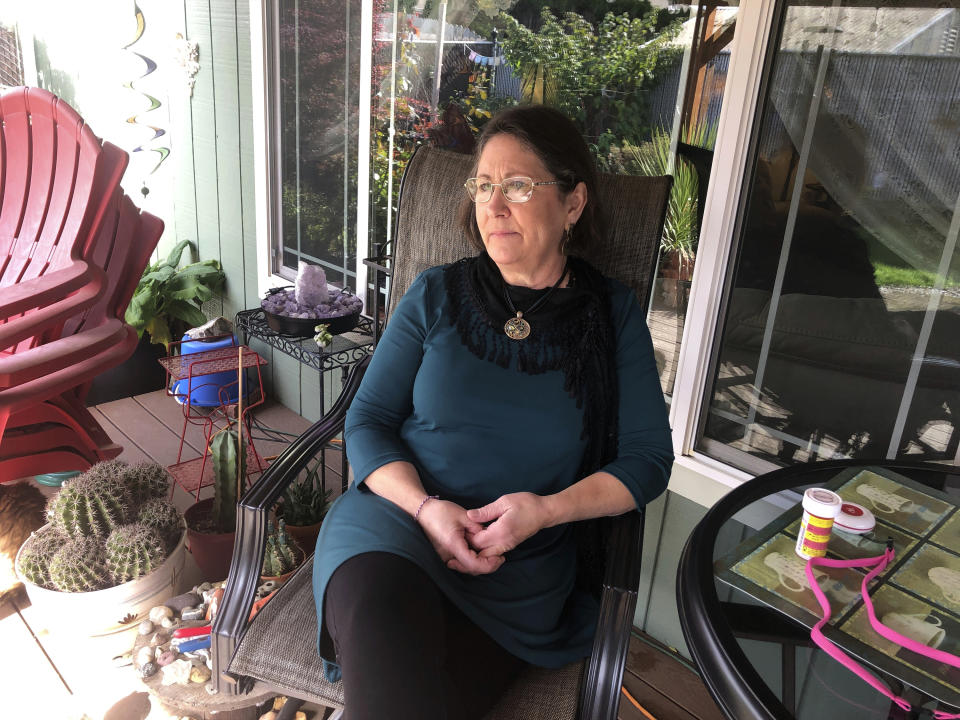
476	431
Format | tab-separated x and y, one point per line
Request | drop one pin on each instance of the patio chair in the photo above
279	647
56	181
42	389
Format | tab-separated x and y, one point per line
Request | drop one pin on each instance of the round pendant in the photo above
516	328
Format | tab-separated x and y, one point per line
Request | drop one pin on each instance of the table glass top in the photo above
918	594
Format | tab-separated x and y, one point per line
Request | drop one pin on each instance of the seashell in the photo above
192	613
167	623
159	638
159	612
146	654
145	627
199	674
166	658
177	673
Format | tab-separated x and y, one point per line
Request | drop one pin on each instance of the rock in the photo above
146	654
199	674
145	627
159	638
203	655
269	715
202	587
210	688
191	613
177	673
301	715
217	326
166	658
149	669
159	613
122	660
178	603
167	623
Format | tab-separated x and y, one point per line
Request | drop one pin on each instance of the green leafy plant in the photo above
99	532
282	553
305	502
653	158
168	298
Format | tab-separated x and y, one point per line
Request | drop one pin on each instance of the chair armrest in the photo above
55	313
41	291
231	620
600	692
39	361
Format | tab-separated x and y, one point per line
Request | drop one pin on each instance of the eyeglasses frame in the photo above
533	183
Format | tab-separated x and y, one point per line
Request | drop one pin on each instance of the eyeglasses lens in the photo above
518	189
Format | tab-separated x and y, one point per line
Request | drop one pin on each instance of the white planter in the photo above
112	610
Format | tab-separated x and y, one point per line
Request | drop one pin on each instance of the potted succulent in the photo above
303	506
113	547
211	523
282	554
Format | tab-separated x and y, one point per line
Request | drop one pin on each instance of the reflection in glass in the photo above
842	335
318	79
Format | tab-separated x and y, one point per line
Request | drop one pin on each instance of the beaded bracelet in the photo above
423	502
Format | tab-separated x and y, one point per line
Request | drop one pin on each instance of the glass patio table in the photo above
746	608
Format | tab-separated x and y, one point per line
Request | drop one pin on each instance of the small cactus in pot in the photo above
282	553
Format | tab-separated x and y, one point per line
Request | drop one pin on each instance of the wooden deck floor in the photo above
149	428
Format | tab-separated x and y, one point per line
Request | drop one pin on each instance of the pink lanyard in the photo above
816	634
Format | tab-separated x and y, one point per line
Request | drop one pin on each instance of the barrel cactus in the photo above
282	553
33	563
89	505
106	526
145	482
164	517
80	565
133	551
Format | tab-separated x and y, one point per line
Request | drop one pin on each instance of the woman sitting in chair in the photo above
512	394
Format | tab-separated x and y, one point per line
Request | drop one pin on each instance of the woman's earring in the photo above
566	240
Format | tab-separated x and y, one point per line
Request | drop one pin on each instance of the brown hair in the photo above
553	138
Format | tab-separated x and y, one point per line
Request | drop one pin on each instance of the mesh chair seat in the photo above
538	693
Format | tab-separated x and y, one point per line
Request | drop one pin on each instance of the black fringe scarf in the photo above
572	332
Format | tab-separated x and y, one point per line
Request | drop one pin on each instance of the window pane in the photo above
619	68
842	326
318	77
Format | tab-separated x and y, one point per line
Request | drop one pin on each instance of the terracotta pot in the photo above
305	535
212	551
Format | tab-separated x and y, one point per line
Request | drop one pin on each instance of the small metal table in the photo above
746	608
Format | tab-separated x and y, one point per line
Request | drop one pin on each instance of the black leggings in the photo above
405	650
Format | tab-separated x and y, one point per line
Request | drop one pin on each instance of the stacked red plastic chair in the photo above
72	248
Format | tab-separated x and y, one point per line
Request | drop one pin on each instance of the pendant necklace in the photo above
516	328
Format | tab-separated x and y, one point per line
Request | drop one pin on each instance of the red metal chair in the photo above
56	182
44	424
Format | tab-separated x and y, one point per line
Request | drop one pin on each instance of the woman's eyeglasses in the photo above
515	189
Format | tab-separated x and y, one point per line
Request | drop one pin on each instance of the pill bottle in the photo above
820	507
854	519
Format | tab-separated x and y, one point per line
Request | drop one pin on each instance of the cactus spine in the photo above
133	550
162	516
38	551
80	566
282	553
88	506
225	450
145	482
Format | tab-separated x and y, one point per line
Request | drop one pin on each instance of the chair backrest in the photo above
56	180
124	244
427	232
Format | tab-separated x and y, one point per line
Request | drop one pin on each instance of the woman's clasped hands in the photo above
475	541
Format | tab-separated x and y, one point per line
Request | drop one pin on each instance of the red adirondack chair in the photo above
42	390
56	182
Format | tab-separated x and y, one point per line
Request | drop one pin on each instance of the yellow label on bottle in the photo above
819	522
